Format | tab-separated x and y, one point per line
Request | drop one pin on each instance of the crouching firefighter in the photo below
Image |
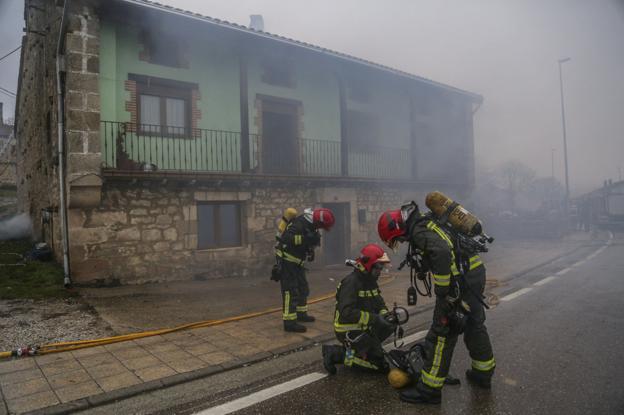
458	307
296	246
359	321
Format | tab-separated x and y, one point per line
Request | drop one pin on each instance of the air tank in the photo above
461	219
288	215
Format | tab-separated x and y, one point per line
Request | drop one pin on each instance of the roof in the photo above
343	56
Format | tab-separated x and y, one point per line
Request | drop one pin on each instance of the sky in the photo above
505	50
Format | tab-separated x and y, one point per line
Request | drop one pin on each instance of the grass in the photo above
34	280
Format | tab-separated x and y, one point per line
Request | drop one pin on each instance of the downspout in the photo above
60	67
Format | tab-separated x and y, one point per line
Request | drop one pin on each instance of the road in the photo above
558	336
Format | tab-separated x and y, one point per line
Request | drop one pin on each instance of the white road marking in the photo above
516	294
263	395
563	271
581	262
545	280
407	340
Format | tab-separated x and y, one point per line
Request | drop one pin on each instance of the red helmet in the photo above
370	255
323	218
391	226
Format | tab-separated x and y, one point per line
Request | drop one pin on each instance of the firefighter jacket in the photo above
439	252
298	241
358	300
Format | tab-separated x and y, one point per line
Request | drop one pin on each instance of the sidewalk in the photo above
88	377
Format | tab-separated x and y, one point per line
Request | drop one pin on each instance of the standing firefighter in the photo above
458	307
296	245
359	321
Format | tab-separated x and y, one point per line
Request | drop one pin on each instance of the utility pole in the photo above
565	143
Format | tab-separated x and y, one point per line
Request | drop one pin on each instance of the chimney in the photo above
256	22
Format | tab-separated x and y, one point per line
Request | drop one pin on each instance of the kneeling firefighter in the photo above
359	322
459	281
296	245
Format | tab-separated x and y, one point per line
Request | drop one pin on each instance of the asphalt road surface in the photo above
558	338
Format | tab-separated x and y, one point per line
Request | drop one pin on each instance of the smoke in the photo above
16	227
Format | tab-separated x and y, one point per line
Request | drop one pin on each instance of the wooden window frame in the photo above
164	88
217	224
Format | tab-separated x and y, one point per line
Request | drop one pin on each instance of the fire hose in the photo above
82	344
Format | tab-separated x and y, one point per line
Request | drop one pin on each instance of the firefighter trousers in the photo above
295	290
364	352
441	339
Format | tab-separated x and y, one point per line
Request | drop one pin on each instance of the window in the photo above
362	130
219	225
164	49
164	107
279	72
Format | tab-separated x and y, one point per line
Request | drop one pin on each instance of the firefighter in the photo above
438	250
359	322
297	245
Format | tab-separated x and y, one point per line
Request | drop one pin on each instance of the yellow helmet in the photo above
398	378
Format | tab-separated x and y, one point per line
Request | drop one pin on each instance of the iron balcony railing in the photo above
128	146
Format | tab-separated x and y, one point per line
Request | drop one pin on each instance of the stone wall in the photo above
147	231
36	116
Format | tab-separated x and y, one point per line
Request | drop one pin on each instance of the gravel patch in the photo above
37	322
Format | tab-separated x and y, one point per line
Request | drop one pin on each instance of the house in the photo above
7	152
186	137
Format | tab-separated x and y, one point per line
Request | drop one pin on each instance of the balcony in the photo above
129	147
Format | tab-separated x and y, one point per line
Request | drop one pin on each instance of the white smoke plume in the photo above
15	227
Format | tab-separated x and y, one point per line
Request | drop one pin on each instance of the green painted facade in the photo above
214	66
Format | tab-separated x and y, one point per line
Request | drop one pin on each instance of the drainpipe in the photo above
60	67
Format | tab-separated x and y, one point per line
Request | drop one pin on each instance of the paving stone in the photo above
29	387
244	351
55	368
107	369
200	349
131	353
142	362
120	346
216	358
80	390
186	365
118	381
16	365
52	358
69	378
154	372
168	356
32	402
89	351
162	347
21	376
96	359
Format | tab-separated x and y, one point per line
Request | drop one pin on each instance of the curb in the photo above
130	391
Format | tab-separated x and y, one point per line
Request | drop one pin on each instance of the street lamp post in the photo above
565	143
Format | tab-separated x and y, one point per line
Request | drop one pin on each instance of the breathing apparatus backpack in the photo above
407	365
288	215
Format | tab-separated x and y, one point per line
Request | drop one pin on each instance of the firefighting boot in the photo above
481	380
416	395
305	317
332	355
293	326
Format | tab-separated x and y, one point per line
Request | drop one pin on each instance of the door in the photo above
280	150
336	242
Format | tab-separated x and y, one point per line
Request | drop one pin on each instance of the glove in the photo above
382	327
313	238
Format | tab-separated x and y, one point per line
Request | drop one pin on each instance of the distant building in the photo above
187	136
7	152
